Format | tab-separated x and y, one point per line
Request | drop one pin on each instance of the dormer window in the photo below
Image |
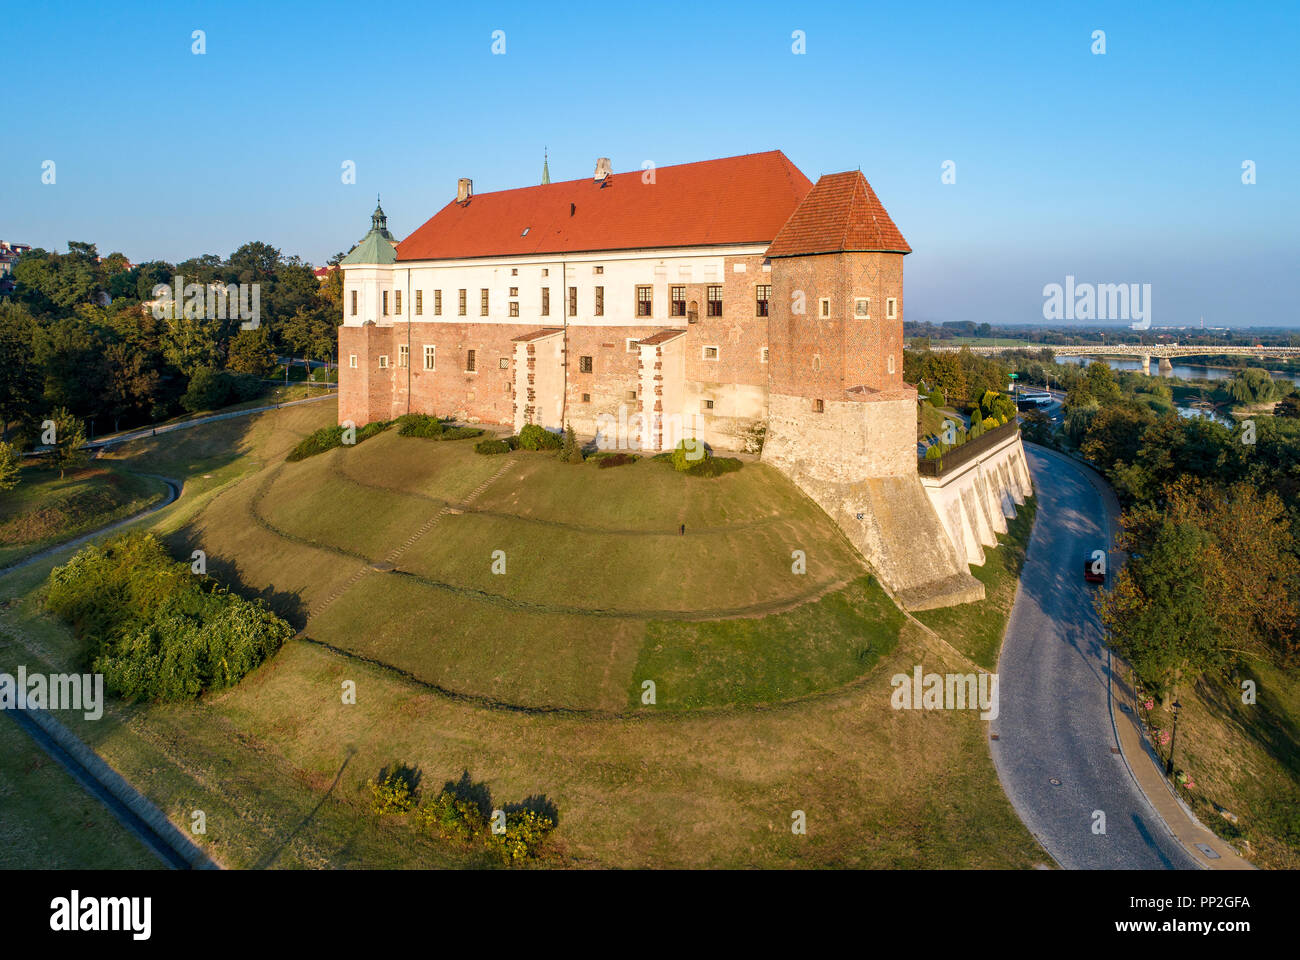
525	233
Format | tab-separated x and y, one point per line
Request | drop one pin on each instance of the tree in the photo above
65	435
251	352
20	384
133	381
10	466
1255	596
190	343
1159	613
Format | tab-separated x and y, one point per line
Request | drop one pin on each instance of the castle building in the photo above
697	300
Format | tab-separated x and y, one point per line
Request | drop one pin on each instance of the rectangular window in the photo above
819	407
430	356
514	291
354	303
514	308
891	309
462	302
632	345
514	271
708	404
762	355
483	302
419	303
862	307
631	394
397	297
383	361
584	364
469	362
644	301
600	301
710	353
824	309
597	269
573	301
437	303
504	363
385	303
546	301
352	361
715	300
762	294
403	356
586	398
677	301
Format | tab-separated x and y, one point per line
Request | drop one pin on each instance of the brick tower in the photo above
841	420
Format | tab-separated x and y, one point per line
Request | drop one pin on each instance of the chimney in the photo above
603	169
464	189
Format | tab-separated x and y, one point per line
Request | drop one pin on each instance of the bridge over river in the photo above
1142	352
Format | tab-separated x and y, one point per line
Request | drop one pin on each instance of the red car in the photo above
1094	571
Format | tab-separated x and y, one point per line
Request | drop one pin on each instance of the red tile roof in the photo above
662	337
541	334
735	200
840	213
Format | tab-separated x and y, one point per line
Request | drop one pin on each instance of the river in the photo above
1184	371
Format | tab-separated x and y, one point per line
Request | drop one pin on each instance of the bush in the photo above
571	450
933	452
461	433
419	425
525	832
155	630
491	446
454	818
535	437
607	460
989	423
327	438
714	467
689	453
393	791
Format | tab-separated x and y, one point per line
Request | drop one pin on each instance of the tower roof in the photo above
377	246
735	200
840	214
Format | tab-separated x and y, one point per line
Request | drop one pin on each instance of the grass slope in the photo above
279	763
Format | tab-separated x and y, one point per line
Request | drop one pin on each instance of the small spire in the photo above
546	168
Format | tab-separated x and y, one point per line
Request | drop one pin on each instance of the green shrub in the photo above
535	437
154	629
419	425
570	449
689	453
526	830
932	452
461	433
714	467
606	460
327	438
989	423
491	446
454	818
392	791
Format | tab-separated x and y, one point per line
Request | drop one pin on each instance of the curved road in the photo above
1054	692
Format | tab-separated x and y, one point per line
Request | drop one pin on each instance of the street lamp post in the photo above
1173	740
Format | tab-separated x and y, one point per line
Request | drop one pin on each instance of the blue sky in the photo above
1122	167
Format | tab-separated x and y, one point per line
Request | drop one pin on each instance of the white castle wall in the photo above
975	500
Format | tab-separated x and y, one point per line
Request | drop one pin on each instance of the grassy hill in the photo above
772	686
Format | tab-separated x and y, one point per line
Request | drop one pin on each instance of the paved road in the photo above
1055	718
